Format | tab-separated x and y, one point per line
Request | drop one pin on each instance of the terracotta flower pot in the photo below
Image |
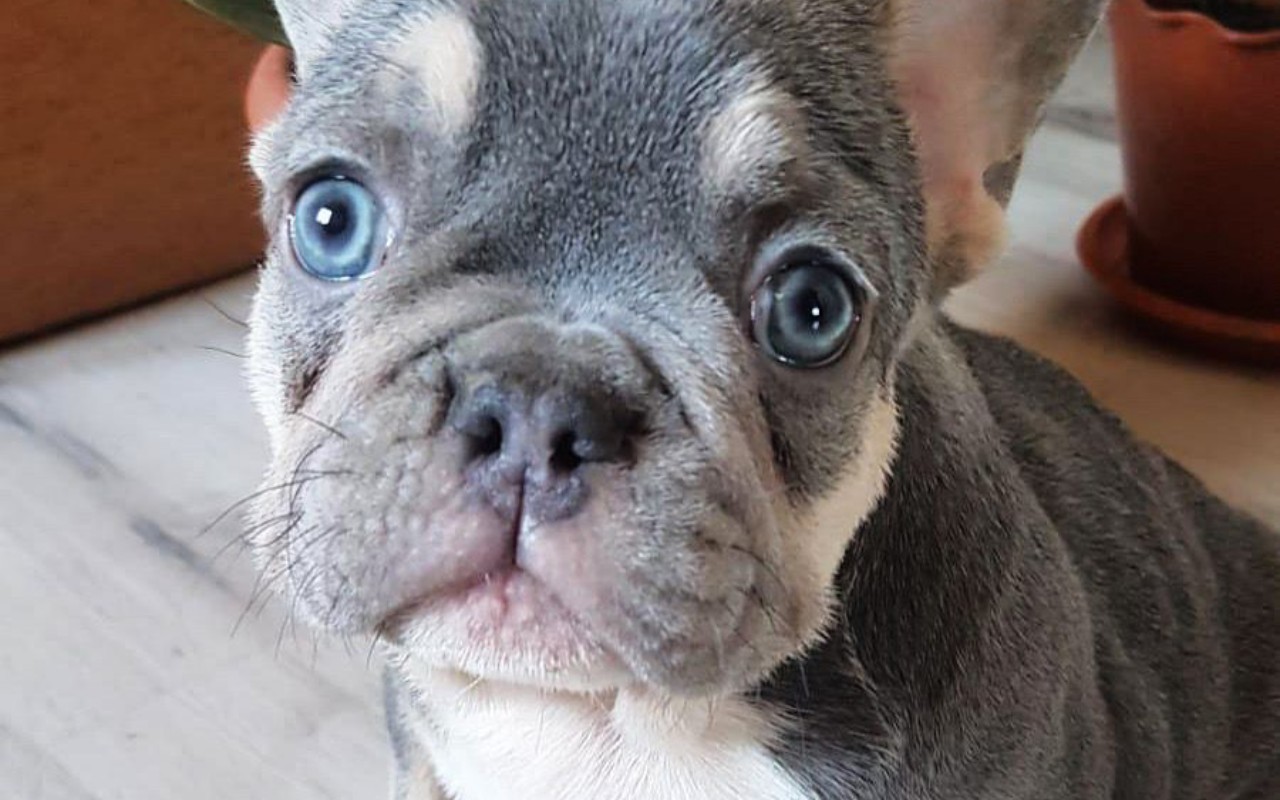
1199	114
269	87
1195	245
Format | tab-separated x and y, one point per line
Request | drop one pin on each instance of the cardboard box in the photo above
122	147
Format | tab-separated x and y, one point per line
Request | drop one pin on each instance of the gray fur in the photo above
1041	608
1038	607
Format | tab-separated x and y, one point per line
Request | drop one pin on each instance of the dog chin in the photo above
510	629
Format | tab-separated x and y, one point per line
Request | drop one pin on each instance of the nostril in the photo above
605	445
592	434
482	415
565	452
486	436
483	431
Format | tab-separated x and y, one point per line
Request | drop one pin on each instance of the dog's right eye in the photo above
338	229
806	314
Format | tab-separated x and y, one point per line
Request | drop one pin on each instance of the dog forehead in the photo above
622	90
615	97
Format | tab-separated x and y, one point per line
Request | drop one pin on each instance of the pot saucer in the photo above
1103	246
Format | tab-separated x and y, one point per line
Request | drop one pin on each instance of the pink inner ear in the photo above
946	66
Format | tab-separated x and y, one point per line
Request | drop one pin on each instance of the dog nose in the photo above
562	432
527	448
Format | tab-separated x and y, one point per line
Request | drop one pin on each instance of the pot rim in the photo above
1198	20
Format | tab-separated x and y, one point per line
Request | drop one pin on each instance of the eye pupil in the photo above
811	303
333	219
806	314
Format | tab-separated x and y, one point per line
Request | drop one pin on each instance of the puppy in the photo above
599	347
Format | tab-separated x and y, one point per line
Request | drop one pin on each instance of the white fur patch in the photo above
826	529
443	53
746	140
495	742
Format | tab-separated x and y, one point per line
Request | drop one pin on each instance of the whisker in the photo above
322	425
347	647
267	576
222	312
221	351
325	473
244	541
470	687
759	560
249	499
337	596
284	626
253	531
755	594
239	544
719	644
374	641
254	596
298	593
297	469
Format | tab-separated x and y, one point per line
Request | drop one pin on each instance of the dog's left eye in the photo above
338	229
806	314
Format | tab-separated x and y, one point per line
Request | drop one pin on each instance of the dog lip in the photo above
494	584
455	591
501	602
505	608
501	567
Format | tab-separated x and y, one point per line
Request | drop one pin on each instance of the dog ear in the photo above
973	77
309	24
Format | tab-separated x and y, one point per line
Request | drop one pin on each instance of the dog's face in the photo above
578	332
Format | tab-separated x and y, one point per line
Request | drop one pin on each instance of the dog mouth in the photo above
505	623
590	602
498	590
501	597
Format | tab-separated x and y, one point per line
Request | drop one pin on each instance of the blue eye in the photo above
806	314
338	229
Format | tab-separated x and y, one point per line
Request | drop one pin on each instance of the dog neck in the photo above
484	737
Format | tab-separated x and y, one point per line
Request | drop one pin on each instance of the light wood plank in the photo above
121	676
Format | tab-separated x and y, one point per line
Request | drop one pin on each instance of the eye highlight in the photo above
807	313
338	229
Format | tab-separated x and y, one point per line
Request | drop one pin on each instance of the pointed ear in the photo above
309	24
973	77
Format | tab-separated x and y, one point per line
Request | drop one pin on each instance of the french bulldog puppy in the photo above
600	351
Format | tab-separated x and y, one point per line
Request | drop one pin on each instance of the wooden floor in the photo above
126	670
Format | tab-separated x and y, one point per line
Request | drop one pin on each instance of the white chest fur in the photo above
495	742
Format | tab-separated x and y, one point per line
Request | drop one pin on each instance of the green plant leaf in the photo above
254	17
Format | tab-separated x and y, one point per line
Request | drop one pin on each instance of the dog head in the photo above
577	336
